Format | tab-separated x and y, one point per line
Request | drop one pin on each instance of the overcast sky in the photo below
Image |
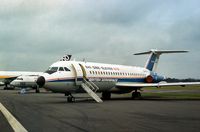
36	33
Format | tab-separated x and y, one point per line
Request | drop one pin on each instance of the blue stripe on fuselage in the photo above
66	80
131	80
118	80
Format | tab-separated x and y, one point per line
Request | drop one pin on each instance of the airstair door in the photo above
78	73
84	71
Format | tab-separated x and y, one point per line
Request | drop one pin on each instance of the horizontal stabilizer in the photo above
152	62
161	52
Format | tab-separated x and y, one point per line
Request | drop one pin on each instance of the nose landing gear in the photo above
70	98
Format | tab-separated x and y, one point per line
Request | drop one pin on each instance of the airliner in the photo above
25	79
70	77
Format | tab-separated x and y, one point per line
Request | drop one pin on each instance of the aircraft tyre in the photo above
106	95
37	90
8	88
67	94
136	95
70	99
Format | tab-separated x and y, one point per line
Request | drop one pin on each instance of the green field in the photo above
171	95
175	88
188	92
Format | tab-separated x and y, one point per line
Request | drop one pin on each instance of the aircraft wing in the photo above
6	79
142	85
14	74
7	76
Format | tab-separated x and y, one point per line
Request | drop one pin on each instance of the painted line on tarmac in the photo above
16	126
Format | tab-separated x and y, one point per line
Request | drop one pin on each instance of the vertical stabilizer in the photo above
153	59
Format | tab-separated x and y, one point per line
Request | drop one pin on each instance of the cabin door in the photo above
84	71
78	73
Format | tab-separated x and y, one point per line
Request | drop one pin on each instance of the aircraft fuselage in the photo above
67	76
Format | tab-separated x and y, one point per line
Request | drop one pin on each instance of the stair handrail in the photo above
91	84
94	85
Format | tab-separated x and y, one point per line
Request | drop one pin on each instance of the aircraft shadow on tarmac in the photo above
83	98
90	100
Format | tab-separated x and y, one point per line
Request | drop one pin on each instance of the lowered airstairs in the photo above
91	89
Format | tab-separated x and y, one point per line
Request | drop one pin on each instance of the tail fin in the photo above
152	62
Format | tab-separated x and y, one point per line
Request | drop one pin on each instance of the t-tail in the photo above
152	62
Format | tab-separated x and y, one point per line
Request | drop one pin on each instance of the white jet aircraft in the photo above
27	79
77	77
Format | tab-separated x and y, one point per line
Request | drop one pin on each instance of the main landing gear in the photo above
136	94
8	87
106	95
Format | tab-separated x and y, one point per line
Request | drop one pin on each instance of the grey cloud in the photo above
112	12
33	34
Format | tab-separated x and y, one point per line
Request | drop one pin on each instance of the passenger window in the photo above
19	79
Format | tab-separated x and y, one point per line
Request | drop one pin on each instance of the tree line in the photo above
182	80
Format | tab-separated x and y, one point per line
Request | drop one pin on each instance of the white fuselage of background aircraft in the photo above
22	79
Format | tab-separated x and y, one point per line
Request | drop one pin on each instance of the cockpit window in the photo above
19	79
61	69
52	70
66	69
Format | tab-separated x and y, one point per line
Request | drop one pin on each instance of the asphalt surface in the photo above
4	125
51	112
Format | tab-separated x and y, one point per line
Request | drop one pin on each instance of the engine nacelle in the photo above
149	79
154	78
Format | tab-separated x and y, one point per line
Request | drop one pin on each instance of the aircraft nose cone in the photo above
40	81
